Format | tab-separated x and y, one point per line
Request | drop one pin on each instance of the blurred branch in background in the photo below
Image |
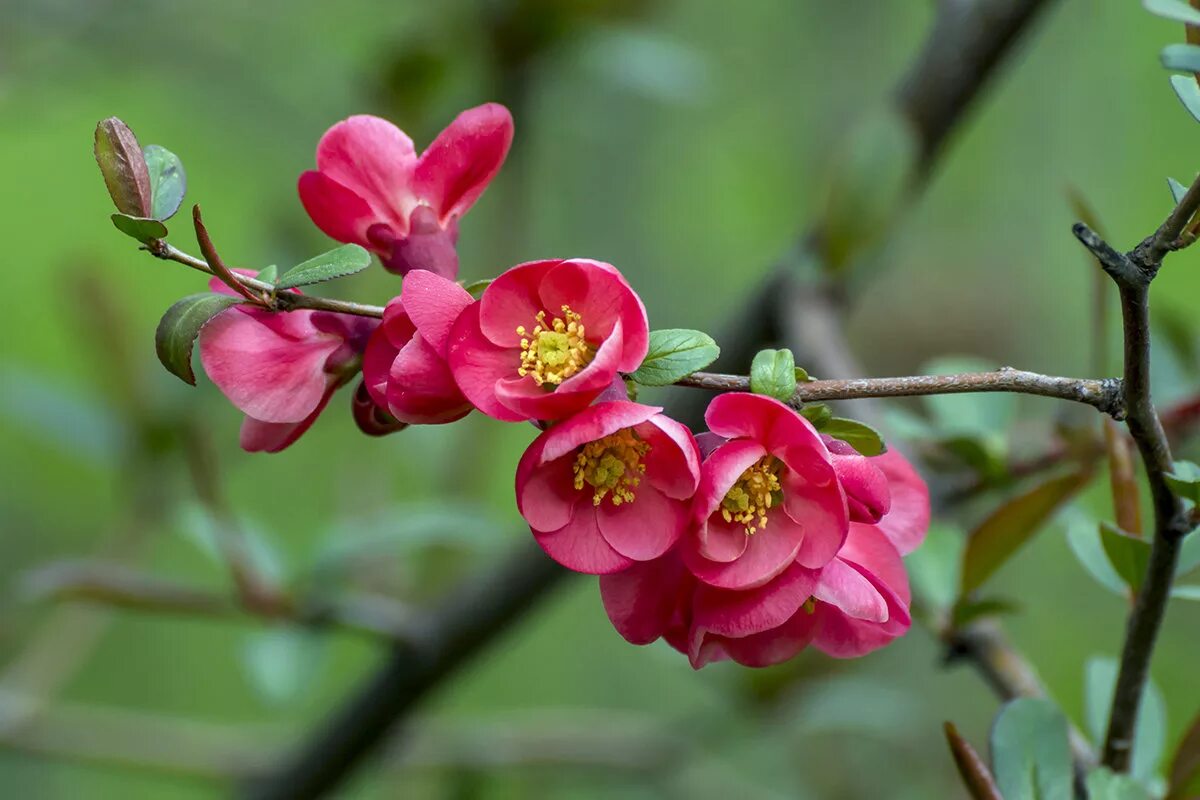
968	41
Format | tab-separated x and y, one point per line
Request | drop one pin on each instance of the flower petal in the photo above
266	374
271	437
591	424
907	519
866	487
455	169
477	365
644	601
433	303
843	586
420	388
645	528
736	614
768	553
868	547
531	401
375	160
764	649
546	495
579	546
602	298
511	301
337	211
673	462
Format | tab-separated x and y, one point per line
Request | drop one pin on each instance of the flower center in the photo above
612	466
753	495
554	350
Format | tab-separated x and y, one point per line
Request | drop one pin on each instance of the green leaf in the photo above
1186	592
859	435
123	167
1182	57
773	373
1185	765
1189	554
1011	525
934	569
281	662
1178	190
1184	478
1173	9
1149	740
1188	93
139	228
268	274
475	288
336	263
1104	784
1030	755
179	327
167	181
802	375
1127	554
818	414
1083	536
675	353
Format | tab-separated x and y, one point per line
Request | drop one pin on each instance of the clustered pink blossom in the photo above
748	542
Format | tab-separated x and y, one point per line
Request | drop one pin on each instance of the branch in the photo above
1104	394
1133	272
475	613
1010	676
117	586
264	293
958	58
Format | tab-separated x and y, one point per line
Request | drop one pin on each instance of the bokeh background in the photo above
685	142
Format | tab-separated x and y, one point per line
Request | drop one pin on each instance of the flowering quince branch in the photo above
1133	273
749	541
1104	393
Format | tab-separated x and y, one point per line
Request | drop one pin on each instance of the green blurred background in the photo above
685	142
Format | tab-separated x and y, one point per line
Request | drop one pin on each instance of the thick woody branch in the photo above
1133	272
1104	393
472	617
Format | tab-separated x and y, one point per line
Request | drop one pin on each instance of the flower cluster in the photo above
748	541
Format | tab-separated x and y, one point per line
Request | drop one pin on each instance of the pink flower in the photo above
769	496
404	367
907	519
371	188
280	368
546	338
856	603
608	487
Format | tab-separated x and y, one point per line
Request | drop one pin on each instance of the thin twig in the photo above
1102	393
267	296
116	586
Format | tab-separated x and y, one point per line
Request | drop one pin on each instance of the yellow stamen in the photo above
753	494
612	466
554	350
